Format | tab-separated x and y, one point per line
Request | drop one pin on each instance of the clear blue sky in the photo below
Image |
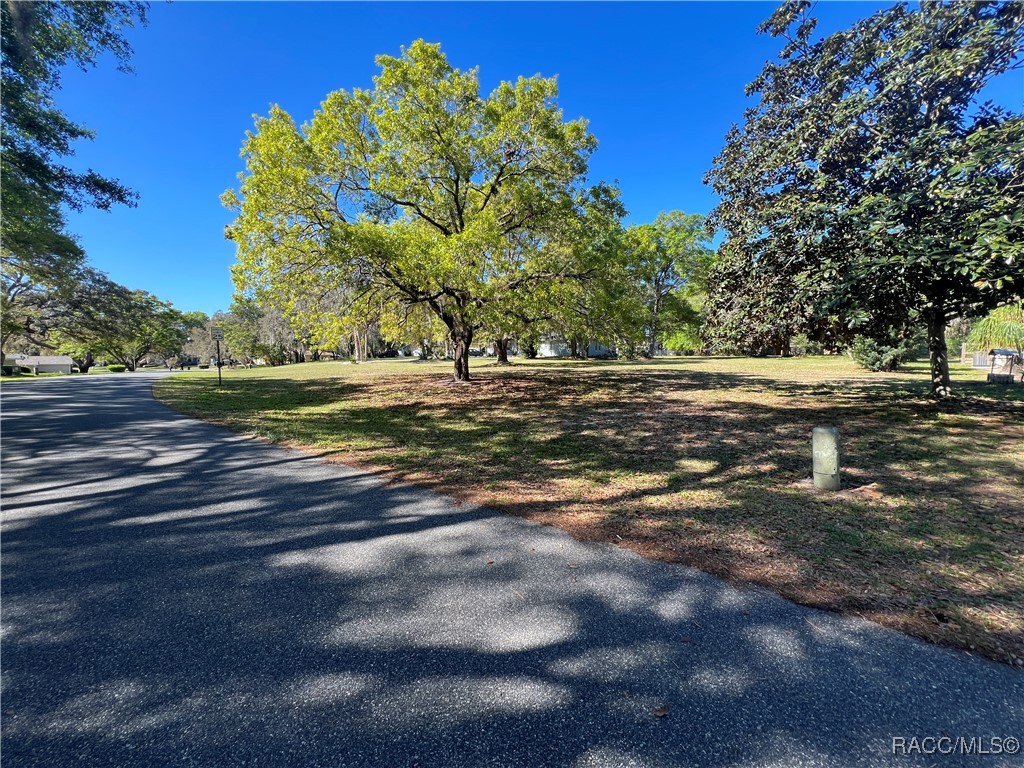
660	83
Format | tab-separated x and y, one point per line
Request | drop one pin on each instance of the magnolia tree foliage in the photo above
868	185
421	191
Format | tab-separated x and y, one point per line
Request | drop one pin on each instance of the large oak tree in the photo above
421	190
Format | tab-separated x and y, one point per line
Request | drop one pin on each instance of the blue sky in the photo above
660	84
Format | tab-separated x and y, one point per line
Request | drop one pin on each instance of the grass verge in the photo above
702	461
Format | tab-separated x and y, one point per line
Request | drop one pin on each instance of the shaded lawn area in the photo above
702	461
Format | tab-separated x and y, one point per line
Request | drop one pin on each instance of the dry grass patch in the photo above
702	461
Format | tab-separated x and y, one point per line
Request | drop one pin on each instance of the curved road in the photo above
175	594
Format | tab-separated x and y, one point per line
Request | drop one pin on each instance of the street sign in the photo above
217	335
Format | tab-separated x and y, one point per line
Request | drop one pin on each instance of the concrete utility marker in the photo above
825	458
175	594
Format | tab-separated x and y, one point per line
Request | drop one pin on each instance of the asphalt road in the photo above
175	594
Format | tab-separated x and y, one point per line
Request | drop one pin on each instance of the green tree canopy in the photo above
41	262
422	191
664	258
103	319
869	183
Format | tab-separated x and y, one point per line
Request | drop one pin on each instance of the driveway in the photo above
175	594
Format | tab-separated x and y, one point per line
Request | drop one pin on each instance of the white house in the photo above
558	347
42	363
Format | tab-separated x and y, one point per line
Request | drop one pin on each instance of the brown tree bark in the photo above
359	339
652	340
501	346
783	346
461	339
88	361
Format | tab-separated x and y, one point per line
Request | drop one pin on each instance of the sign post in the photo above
217	335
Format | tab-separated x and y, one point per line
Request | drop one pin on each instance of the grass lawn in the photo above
93	371
32	376
698	460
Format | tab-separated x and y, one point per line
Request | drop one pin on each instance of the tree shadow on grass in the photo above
653	460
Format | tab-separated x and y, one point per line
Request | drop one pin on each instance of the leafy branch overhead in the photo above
43	265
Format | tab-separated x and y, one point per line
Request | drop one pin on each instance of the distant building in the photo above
993	358
42	363
558	347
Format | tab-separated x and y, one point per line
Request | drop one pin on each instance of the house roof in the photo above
42	360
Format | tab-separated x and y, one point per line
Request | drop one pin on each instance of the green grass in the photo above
32	376
93	371
698	460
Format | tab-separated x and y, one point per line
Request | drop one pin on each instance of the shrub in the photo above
875	356
116	368
802	344
203	366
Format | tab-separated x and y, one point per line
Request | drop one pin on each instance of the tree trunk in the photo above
938	357
357	346
501	346
87	363
784	349
574	348
461	339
